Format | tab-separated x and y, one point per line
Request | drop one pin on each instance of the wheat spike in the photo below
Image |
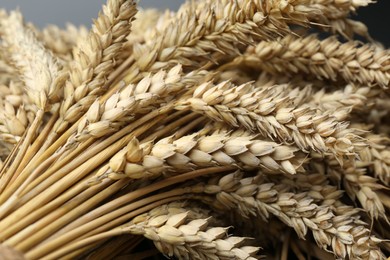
62	41
274	116
135	99
351	98
334	226
94	60
378	157
215	30
40	70
181	232
358	184
193	151
336	15
325	59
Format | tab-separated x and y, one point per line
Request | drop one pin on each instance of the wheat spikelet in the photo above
274	117
14	121
326	59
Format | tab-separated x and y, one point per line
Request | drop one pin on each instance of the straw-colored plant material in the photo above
200	151
327	59
274	115
224	130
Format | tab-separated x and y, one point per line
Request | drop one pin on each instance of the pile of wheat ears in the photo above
230	129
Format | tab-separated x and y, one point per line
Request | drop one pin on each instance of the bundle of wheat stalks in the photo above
225	130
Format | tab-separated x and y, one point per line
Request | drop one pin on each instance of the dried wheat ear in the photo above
243	129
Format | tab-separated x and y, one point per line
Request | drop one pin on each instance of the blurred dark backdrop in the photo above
377	18
43	12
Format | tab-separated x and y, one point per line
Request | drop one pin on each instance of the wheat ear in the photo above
133	100
334	226
181	232
275	117
216	30
40	72
198	151
94	60
325	59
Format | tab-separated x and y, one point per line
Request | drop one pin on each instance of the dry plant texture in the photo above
230	129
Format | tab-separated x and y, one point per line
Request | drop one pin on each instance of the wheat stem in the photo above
79	190
42	229
22	150
37	254
53	188
31	152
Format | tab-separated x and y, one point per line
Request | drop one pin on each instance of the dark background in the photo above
377	18
43	12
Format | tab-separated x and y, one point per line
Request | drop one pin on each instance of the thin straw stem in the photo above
80	190
42	253
22	150
45	227
106	213
53	188
36	145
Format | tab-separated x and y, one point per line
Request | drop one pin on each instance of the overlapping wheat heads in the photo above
225	130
